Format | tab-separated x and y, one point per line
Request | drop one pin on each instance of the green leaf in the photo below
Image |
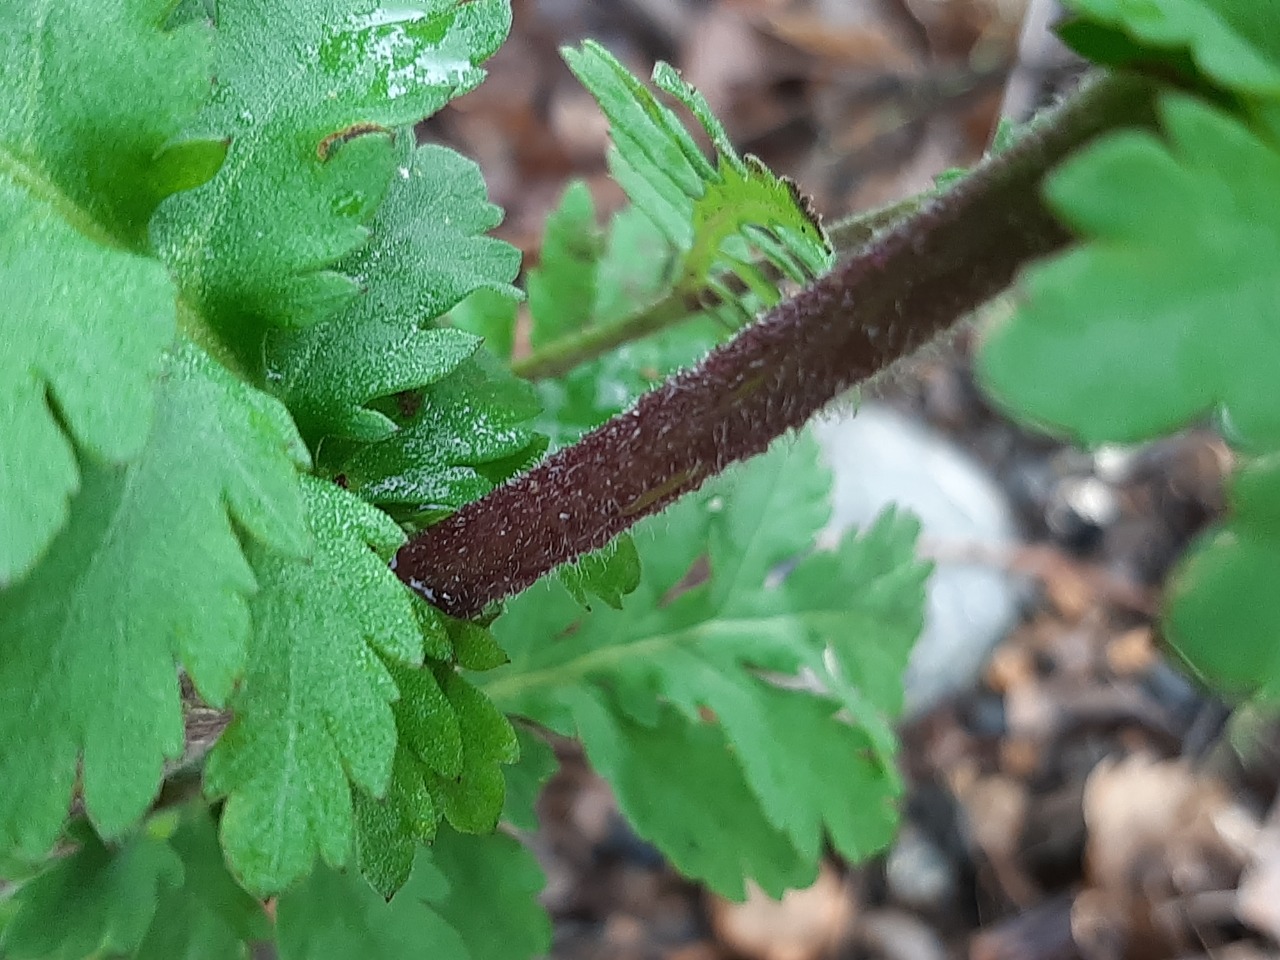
697	641
336	916
1223	615
473	800
313	715
492	902
469	898
99	160
712	214
610	573
562	289
469	432
1180	236
451	746
693	230
81	169
632	269
426	253
491	316
707	820
148	572
526	778
474	646
311	97
390	829
85	330
1232	42
95	902
208	917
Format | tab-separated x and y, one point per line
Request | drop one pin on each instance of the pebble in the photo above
880	457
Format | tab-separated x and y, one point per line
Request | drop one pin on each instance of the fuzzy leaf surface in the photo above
427	251
678	655
469	432
81	169
311	97
712	214
85	330
1139	319
452	745
313	715
99	160
149	573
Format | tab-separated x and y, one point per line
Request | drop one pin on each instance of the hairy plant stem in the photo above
561	356
907	285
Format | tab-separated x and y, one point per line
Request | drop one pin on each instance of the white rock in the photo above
880	457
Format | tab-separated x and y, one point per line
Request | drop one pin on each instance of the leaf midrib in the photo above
31	178
602	659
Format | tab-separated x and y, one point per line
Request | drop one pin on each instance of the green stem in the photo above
561	356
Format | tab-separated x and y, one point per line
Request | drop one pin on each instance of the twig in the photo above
909	284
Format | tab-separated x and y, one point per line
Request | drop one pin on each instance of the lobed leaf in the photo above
712	215
473	799
85	332
94	902
81	169
208	916
100	161
469	898
1138	320
707	820
452	746
464	434
609	573
640	687
390	830
149	573
311	98
426	253
1231	42
313	715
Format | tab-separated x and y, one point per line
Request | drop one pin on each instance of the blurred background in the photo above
1071	792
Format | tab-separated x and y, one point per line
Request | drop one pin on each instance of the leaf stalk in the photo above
562	355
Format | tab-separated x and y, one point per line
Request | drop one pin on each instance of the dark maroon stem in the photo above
900	291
